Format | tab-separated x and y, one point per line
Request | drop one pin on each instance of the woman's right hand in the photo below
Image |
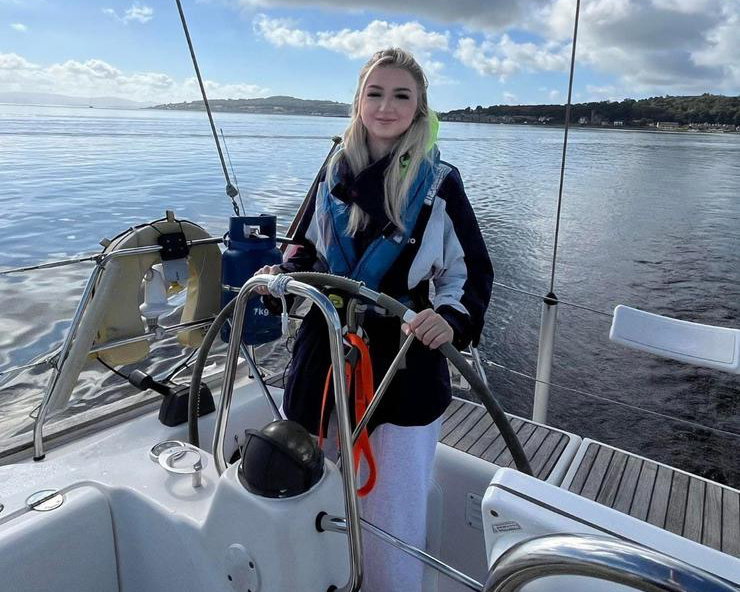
270	270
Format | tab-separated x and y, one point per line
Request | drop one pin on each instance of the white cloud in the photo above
607	92
554	95
362	43
687	6
648	46
505	57
381	34
20	27
661	46
477	14
96	78
354	43
136	12
142	14
12	61
723	51
510	98
472	55
281	32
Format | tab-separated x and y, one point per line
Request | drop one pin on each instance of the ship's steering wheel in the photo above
358	290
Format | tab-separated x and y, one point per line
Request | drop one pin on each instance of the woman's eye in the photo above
373	94
403	97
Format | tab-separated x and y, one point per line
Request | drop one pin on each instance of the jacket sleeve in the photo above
301	253
463	285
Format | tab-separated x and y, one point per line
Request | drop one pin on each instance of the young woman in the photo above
389	212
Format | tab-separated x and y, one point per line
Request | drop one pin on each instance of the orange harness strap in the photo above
363	383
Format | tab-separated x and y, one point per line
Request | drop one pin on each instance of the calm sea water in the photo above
650	220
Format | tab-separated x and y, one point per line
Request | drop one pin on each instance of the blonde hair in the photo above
411	147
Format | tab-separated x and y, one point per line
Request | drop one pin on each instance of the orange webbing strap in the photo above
364	390
363	375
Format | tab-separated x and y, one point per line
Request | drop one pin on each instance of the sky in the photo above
475	52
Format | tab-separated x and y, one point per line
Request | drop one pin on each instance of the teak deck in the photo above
694	508
688	506
468	427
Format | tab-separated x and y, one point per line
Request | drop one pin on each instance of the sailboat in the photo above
170	492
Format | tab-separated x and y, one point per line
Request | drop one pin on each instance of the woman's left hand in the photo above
430	328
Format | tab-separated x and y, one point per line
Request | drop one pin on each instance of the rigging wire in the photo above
491	363
565	147
614	401
49	265
231	191
539	297
231	166
47	360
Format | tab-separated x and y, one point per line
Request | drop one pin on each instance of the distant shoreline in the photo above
243	112
532	125
62	106
275	105
623	128
684	114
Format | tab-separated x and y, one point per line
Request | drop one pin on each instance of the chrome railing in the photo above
602	558
62	356
338	524
340	399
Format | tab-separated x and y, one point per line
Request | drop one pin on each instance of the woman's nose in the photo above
385	104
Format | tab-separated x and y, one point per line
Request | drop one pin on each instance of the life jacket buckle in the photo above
352	356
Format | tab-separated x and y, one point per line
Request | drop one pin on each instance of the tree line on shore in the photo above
706	109
686	110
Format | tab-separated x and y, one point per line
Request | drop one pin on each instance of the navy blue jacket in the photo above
445	265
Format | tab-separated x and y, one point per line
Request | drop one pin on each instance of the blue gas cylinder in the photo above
250	244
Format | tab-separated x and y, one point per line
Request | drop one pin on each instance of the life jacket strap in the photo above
361	372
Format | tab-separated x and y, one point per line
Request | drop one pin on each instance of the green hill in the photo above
270	105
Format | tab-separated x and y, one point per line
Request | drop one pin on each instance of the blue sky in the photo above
476	52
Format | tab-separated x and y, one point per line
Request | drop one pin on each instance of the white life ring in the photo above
122	279
113	311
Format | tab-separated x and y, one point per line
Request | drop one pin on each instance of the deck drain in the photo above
45	500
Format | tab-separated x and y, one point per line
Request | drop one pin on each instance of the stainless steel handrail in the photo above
158	333
337	524
340	398
102	261
475	357
599	557
383	387
255	373
47	360
38	426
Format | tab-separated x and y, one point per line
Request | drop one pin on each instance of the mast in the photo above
550	301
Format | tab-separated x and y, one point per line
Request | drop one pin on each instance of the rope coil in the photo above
277	285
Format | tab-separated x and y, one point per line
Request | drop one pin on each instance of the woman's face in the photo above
388	105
